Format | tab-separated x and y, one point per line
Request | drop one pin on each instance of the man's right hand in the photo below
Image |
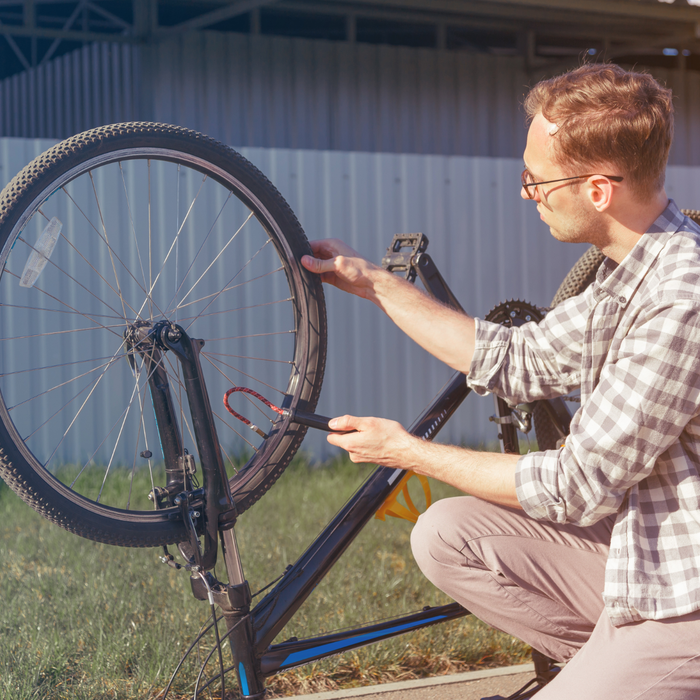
339	265
443	332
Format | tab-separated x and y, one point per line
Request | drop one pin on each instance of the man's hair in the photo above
606	114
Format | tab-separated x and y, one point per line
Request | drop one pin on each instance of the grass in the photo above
82	620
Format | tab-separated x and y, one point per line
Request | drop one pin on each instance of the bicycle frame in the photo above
252	631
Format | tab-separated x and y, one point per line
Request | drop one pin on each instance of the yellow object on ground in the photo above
409	511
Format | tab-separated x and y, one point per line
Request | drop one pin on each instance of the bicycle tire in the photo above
693	214
169	189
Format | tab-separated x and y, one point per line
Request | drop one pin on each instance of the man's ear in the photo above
600	191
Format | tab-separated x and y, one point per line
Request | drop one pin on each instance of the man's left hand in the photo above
375	440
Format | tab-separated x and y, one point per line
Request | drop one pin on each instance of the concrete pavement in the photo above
477	685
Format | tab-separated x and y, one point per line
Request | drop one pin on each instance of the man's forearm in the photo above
487	475
445	333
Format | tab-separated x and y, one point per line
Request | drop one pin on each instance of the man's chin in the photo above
556	233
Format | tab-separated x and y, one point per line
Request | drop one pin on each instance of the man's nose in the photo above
534	198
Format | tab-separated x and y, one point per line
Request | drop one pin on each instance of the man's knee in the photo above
440	536
427	540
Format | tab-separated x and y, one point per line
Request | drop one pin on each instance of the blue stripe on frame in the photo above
305	654
244	680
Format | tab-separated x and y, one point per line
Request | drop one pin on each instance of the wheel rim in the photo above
148	235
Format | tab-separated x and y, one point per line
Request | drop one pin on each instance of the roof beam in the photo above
233	9
615	31
29	13
108	15
70	35
619	8
13	45
523	8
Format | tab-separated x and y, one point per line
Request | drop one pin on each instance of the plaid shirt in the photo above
631	341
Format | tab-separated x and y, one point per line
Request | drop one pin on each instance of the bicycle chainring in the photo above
515	313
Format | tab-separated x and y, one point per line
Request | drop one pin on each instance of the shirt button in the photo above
622	300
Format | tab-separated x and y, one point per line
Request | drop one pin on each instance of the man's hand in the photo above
487	475
339	265
375	440
445	333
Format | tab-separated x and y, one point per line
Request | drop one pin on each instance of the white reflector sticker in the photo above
42	252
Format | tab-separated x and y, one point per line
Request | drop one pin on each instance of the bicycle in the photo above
119	295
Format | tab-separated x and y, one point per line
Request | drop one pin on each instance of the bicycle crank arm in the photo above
312	420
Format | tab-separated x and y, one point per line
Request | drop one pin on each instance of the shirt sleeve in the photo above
533	361
638	410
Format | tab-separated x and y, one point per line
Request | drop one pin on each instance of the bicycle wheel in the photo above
693	214
158	223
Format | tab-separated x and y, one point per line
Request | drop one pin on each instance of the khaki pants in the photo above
543	583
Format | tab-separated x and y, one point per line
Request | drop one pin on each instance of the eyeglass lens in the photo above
527	179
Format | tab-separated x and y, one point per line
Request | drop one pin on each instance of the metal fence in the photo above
277	92
489	244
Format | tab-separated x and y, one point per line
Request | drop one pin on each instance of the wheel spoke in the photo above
127	410
58	366
216	296
63	303
142	427
201	247
103	367
56	311
153	235
92	457
254	403
112	255
172	245
109	247
221	252
131	224
228	289
58	411
248	357
29	436
250	444
215	361
229	311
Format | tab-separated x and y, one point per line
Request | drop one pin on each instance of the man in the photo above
590	553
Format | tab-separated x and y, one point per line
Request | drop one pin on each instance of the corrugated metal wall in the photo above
275	92
489	244
291	93
98	84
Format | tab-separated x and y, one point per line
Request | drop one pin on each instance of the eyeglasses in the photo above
527	182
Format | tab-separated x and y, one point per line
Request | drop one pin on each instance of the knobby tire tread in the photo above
41	491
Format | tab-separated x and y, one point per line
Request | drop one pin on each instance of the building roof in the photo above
547	33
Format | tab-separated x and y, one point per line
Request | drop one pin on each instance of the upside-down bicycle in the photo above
118	312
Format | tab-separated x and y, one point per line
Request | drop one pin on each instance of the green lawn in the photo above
81	620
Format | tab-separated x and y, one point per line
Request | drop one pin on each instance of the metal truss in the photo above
35	29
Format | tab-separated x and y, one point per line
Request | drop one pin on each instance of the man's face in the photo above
563	206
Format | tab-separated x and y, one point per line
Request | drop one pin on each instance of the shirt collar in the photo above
621	281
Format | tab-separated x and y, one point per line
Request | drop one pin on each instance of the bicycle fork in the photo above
211	508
